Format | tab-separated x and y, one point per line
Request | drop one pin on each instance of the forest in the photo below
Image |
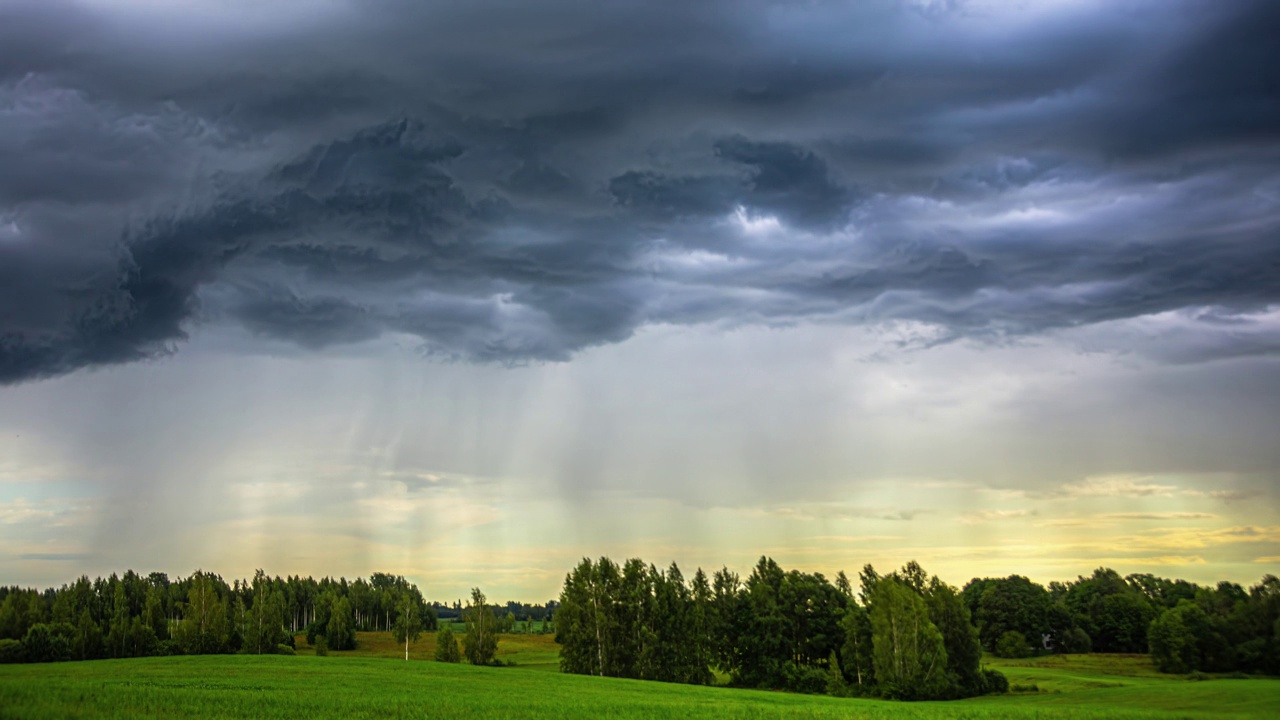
135	615
904	635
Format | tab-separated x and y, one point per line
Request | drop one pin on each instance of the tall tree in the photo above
481	641
409	623
960	638
856	655
909	654
341	630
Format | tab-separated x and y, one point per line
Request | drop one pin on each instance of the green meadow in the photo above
369	683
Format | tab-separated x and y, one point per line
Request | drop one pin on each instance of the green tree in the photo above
1012	644
1012	603
909	654
118	636
142	641
48	643
265	621
87	644
341	629
701	626
964	651
408	625
153	613
1173	647
481	641
447	646
856	654
204	627
1122	620
583	622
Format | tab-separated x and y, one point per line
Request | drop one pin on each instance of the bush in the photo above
322	646
1197	676
1013	644
805	679
447	646
11	651
42	644
994	682
283	649
1032	688
168	647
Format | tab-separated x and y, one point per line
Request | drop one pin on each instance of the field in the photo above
530	652
366	683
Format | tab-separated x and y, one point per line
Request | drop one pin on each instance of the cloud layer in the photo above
515	184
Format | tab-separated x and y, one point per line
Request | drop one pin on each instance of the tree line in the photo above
904	635
1185	626
135	615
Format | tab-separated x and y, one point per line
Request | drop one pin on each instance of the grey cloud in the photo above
524	184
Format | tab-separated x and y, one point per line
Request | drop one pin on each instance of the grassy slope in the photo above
348	685
1131	681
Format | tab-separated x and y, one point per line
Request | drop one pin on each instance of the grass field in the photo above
364	683
532	652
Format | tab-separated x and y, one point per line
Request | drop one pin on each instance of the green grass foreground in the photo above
349	686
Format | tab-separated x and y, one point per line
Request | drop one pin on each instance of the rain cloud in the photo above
514	184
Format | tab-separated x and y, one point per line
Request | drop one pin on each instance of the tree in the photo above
1012	604
856	655
341	629
266	618
118	636
447	646
204	625
584	625
153	613
700	637
48	643
1173	648
964	652
481	641
1122	621
408	625
87	644
1012	644
763	648
908	653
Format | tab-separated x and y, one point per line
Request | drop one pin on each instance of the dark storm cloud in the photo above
521	183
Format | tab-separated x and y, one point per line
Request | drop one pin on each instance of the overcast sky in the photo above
467	291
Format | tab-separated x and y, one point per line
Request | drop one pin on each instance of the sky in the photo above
469	291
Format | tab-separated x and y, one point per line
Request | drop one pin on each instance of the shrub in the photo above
1012	644
11	651
994	682
1197	676
283	649
322	646
805	678
447	646
42	644
1032	688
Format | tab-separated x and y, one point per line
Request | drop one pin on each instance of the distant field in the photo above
363	684
535	652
